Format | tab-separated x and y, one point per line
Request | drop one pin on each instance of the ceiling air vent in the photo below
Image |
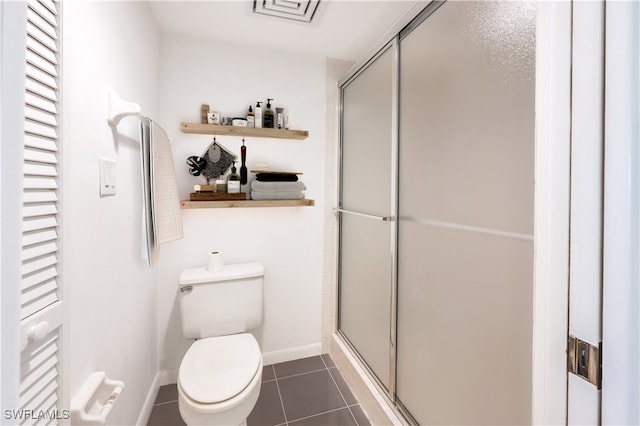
294	10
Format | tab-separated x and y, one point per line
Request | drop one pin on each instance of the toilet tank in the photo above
221	303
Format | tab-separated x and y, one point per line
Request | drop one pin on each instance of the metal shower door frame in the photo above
394	138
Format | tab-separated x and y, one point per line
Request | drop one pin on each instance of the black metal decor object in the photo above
196	165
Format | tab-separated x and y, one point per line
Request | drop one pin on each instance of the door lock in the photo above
584	360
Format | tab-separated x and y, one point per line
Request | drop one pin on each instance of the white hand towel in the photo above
166	203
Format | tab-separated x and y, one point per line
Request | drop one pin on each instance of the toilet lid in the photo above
218	368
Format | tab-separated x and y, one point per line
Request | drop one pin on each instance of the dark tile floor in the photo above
307	391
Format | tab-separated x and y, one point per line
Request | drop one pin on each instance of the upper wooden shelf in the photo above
218	130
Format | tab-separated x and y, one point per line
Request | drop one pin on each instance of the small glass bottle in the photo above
233	181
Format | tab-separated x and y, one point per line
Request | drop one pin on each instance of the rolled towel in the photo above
257	186
277	195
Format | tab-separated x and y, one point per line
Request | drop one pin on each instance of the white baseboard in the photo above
167	377
290	354
147	407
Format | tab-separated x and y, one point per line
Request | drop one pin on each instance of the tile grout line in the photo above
326	368
280	396
340	392
300	374
338	387
320	414
352	415
325	363
275	374
165	403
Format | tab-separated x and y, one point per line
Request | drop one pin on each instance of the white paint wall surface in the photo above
289	241
111	291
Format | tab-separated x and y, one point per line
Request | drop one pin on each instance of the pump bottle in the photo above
251	118
258	115
233	181
268	115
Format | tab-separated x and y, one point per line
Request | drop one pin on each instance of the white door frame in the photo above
551	218
621	301
12	54
621	295
586	219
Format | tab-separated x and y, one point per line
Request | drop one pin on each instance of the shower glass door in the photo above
366	210
465	229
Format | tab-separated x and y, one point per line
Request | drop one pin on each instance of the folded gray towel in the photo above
257	185
277	195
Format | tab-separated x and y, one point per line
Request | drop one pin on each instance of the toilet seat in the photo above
216	369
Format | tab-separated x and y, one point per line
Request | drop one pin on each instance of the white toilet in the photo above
220	375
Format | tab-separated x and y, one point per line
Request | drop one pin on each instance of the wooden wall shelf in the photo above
185	204
220	130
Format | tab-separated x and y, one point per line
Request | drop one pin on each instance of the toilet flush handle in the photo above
185	289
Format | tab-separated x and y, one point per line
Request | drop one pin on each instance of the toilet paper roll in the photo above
216	262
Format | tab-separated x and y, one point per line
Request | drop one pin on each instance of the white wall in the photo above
112	292
289	241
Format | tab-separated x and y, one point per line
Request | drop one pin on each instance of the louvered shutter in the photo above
41	305
39	269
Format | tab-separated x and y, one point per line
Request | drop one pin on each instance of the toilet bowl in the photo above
219	380
220	375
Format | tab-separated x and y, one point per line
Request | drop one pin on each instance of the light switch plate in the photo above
107	176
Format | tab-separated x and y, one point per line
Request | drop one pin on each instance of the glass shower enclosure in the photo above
436	214
367	213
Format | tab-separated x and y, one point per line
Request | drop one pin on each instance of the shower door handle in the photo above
370	216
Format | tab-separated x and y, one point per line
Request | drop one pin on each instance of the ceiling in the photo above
340	29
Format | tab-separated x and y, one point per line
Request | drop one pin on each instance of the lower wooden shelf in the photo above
186	204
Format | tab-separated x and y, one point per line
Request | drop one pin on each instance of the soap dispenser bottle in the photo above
268	115
258	115
251	118
233	181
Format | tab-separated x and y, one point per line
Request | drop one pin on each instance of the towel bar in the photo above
117	109
370	216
